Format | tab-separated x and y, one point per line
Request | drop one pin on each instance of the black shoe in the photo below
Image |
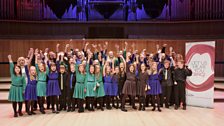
167	106
143	108
176	107
33	113
102	109
134	107
20	114
159	110
29	113
80	111
15	115
53	111
73	109
57	112
68	110
153	109
109	107
184	108
140	108
124	110
42	111
161	105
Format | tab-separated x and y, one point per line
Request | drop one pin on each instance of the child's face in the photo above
53	68
71	60
91	69
131	68
166	65
154	66
17	70
117	70
62	68
32	70
180	65
41	67
72	68
81	68
143	67
122	66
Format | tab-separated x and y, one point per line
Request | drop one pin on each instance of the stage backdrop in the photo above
200	58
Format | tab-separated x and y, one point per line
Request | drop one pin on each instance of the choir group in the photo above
96	79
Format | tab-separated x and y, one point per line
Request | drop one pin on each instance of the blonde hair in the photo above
151	71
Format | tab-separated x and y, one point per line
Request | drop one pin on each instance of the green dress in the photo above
41	81
18	86
79	86
100	90
90	83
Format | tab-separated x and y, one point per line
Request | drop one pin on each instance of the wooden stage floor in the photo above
193	116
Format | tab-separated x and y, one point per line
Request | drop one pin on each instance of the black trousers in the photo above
62	99
180	93
70	100
166	94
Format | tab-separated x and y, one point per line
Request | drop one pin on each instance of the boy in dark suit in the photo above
180	76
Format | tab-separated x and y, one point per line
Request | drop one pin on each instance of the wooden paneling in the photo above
19	48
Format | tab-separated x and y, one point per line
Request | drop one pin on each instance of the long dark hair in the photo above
20	73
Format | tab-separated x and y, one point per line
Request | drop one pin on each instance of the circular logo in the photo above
208	81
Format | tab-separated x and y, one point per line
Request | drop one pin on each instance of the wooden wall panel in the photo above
20	47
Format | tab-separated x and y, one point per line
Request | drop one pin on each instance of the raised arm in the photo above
66	48
57	48
11	65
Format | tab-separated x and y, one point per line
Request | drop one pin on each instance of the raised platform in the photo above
5	85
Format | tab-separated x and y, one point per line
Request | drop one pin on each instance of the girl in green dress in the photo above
42	72
79	91
90	83
17	87
99	86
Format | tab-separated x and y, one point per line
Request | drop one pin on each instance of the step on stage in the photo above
193	116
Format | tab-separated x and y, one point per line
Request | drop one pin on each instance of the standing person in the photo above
53	89
107	77
79	91
114	86
17	87
122	78
180	75
142	86
167	83
90	84
31	88
129	86
42	72
155	87
62	79
99	86
70	88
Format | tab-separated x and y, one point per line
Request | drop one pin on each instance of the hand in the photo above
171	49
157	46
67	45
125	43
57	45
164	45
26	61
106	43
94	46
31	50
36	51
84	90
87	43
175	83
143	50
9	57
133	45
